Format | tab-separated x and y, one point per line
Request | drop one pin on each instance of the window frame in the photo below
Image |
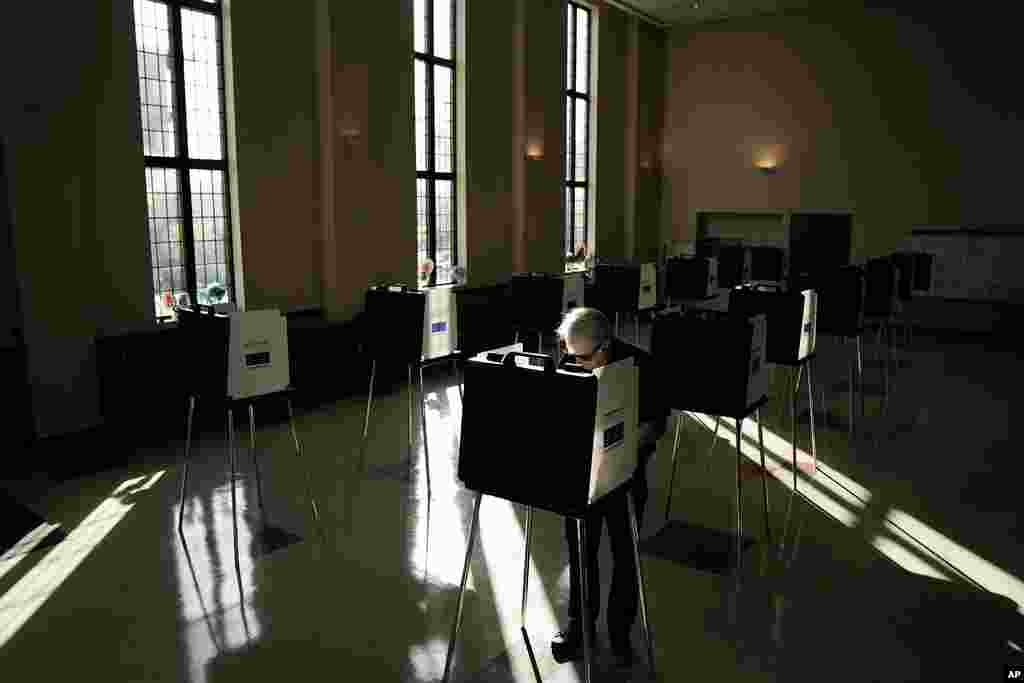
431	174
181	162
571	97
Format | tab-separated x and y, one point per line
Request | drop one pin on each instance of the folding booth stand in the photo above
570	441
414	328
721	372
841	315
237	358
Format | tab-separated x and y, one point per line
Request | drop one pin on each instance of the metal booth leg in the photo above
184	474
409	387
640	582
636	327
714	442
298	454
255	460
810	402
584	602
739	496
860	380
526	564
369	398
457	626
672	479
793	431
423	419
764	475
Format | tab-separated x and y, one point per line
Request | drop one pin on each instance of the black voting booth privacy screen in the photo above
840	299
394	323
690	277
535	301
484	319
879	287
205	338
731	255
785	320
766	263
709	359
527	433
616	288
905	263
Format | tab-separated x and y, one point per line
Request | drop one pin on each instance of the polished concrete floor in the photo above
878	570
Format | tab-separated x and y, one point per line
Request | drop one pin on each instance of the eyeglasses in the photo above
585	357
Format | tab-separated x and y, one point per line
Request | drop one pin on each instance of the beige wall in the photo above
326	181
275	99
862	110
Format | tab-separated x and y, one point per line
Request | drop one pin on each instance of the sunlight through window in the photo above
836	500
208	587
502	538
30	593
22	548
980	570
440	557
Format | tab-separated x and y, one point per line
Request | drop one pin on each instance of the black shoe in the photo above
568	645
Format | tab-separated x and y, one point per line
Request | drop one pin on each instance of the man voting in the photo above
586	334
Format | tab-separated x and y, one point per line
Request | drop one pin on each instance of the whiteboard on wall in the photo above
974	265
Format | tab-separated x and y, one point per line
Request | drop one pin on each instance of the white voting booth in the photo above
614	455
440	331
257	353
648	286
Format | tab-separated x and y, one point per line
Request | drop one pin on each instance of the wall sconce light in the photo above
534	151
767	166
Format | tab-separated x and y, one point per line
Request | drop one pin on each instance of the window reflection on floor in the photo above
208	582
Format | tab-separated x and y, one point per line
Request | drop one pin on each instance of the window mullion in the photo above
184	179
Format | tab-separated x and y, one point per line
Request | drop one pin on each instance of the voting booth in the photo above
880	288
538	300
238	357
648	297
767	263
397	331
257	353
484	317
558	438
571	437
733	259
691	277
722	360
791	319
440	323
617	288
395	323
720	371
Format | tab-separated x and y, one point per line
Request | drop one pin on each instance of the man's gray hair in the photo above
586	323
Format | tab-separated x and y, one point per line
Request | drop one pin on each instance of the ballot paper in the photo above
439	323
257	353
615	427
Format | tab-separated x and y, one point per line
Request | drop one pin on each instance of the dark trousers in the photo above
624	598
